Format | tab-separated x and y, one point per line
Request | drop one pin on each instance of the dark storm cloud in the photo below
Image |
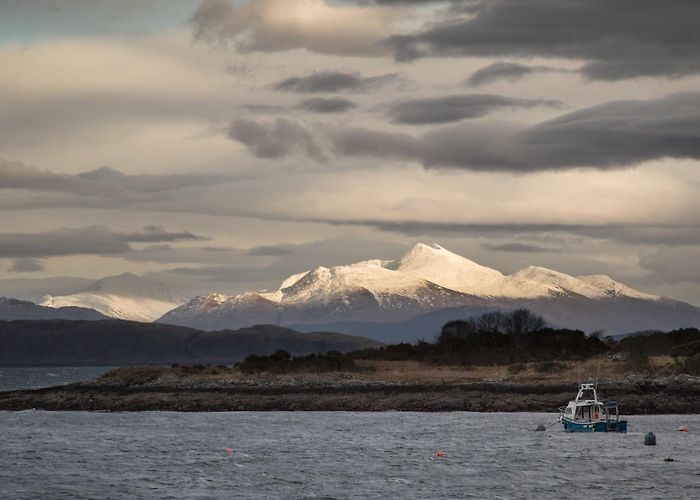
620	39
327	105
25	265
276	139
611	135
508	71
329	81
155	234
516	247
457	107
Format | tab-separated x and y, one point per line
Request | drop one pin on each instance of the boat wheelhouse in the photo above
587	414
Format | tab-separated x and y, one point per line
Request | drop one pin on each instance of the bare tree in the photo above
522	321
492	322
459	328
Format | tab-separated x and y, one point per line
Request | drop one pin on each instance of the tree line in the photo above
497	337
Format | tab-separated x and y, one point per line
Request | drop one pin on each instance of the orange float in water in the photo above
441	454
229	451
683	428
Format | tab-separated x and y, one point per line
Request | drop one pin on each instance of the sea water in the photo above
12	378
339	455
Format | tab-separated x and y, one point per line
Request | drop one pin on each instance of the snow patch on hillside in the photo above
125	296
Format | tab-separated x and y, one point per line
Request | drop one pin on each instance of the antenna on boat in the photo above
597	372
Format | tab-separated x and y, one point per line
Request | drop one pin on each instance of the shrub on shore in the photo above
495	338
691	365
282	362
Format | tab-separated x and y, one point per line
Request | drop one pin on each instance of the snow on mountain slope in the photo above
364	290
431	278
593	287
606	286
13	309
442	267
324	284
125	296
438	265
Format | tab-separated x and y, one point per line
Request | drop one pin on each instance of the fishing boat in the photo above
587	414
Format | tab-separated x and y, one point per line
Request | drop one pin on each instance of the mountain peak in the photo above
442	267
422	253
430	278
427	246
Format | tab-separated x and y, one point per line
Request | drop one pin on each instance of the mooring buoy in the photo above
650	439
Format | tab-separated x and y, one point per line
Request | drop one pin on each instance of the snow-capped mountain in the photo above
430	278
369	290
14	309
125	296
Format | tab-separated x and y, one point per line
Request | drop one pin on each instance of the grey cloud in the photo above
165	253
151	183
508	71
672	264
154	234
229	273
458	107
611	135
363	142
276	139
102	182
270	251
516	247
329	81
17	175
293	258
670	236
329	105
25	265
621	39
268	109
633	234
94	240
91	240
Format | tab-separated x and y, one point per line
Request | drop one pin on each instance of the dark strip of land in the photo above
640	398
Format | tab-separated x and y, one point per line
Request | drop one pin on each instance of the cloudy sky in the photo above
222	145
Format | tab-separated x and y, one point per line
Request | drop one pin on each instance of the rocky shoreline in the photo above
642	397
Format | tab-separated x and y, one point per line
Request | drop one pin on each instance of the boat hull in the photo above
600	426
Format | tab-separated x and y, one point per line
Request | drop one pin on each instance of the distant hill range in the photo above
388	300
13	309
117	342
126	296
412	297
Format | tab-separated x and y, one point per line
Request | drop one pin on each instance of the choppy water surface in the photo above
36	377
338	455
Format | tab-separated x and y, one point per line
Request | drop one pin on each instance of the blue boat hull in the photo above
602	426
